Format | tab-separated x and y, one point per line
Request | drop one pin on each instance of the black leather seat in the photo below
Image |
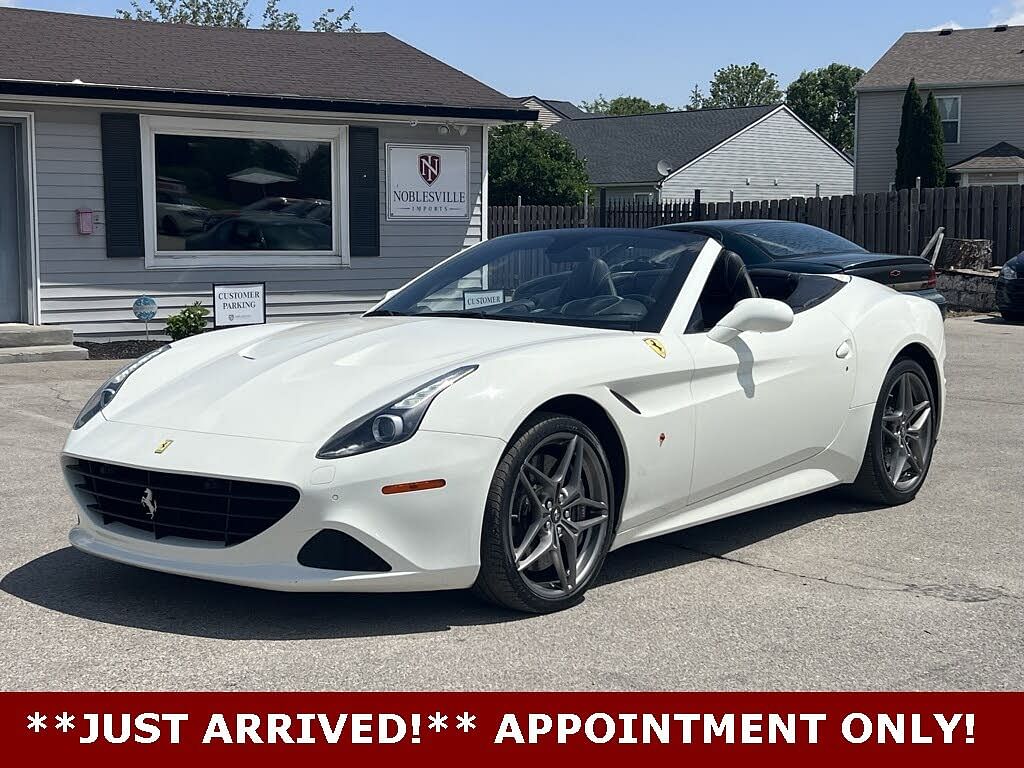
590	277
727	284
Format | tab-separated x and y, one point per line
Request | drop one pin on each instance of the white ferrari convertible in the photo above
507	418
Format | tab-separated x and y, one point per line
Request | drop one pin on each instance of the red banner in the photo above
156	729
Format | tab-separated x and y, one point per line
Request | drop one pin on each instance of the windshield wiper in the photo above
385	313
477	314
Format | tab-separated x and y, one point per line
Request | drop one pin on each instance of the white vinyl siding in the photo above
545	116
984	179
93	294
988	115
777	157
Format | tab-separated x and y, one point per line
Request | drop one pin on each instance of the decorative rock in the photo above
971	290
965	254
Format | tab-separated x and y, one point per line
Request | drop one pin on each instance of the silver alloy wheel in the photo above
907	432
559	516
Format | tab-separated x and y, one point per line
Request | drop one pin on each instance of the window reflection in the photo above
239	194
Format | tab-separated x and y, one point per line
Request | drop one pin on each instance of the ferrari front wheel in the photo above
548	522
903	430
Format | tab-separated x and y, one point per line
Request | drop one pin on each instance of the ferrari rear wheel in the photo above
899	450
548	522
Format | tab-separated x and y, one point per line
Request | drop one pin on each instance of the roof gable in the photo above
626	150
959	57
371	67
999	157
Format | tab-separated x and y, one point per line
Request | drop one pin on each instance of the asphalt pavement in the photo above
818	593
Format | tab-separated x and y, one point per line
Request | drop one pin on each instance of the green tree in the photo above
623	105
232	13
275	18
540	165
738	86
933	160
825	100
908	148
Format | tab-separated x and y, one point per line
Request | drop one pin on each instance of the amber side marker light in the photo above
419	485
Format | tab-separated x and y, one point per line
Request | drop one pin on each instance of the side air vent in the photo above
624	401
337	551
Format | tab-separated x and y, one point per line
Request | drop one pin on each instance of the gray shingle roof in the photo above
998	157
370	67
567	109
626	150
963	56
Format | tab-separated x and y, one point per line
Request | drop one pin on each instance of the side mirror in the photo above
752	315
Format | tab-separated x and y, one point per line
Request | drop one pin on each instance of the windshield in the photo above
784	239
601	278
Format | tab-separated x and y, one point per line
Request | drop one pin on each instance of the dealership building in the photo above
139	158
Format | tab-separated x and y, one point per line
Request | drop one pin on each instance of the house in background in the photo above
141	158
551	111
977	76
743	153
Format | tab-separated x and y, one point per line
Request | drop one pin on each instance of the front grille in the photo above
186	506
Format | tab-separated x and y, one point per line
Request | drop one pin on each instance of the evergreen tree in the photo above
908	150
933	161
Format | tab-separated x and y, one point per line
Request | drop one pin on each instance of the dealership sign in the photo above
244	304
427	182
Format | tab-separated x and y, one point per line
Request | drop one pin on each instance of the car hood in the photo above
303	382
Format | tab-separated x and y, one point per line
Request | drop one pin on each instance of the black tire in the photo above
874	484
1012	317
499	580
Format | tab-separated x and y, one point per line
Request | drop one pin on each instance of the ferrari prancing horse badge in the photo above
657	346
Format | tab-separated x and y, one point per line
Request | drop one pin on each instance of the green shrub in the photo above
189	322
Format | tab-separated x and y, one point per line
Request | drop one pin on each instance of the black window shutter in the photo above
363	192
122	184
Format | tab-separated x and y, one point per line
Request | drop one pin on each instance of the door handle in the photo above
844	350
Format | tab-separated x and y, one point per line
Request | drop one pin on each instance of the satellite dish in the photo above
664	169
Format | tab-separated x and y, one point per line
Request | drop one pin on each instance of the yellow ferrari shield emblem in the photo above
164	445
657	346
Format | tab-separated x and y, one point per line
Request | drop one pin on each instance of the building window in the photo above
949	112
240	193
641	197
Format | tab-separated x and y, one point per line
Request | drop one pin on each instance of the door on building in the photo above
11	236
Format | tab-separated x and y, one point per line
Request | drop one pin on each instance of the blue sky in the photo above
570	49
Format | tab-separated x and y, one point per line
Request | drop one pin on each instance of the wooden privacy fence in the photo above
887	222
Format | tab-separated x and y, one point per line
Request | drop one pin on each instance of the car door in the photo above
767	401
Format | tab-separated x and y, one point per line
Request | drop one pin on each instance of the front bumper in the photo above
932	295
1010	294
430	538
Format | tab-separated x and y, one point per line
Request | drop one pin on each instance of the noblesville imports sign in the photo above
427	182
239	304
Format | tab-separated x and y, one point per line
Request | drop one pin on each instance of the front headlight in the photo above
1008	272
394	423
102	396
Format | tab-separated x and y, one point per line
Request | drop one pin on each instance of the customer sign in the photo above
240	304
427	182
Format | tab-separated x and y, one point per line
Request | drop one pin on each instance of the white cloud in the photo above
8	3
944	25
1011	13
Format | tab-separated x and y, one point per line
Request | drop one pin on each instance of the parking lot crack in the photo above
957	593
59	394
